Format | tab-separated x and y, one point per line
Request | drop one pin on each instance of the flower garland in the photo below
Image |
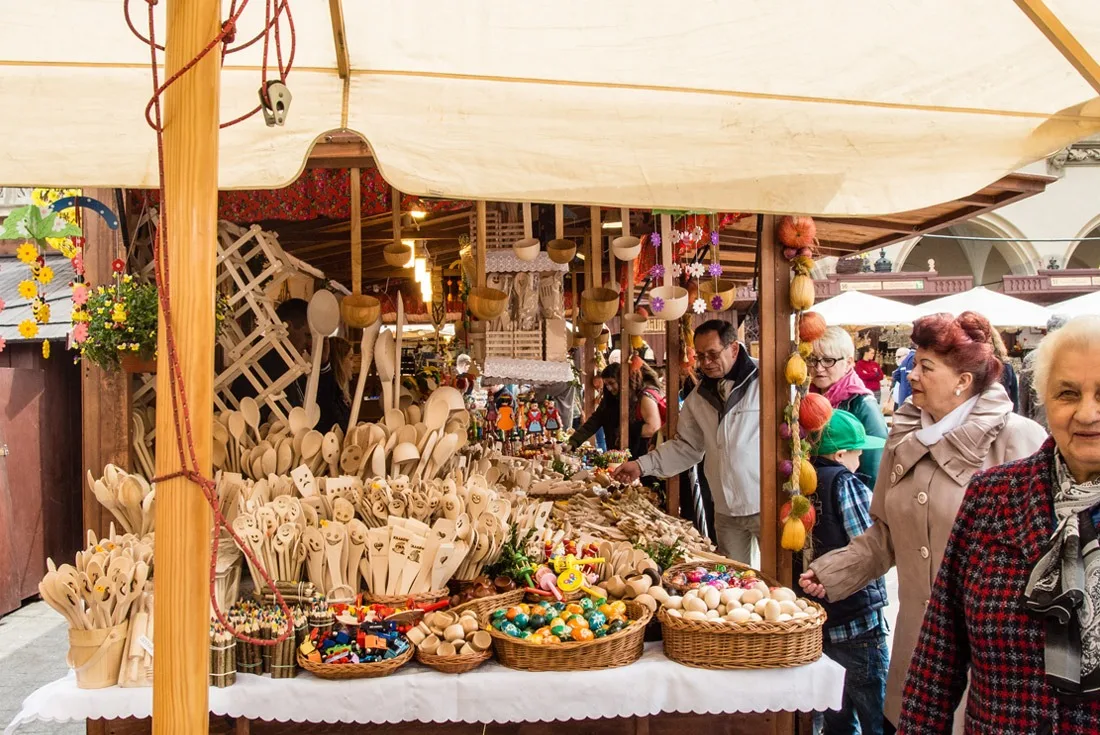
806	413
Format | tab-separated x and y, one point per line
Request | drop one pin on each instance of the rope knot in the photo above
229	31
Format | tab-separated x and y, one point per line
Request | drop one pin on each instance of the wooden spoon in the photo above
323	315
366	353
330	449
383	355
250	411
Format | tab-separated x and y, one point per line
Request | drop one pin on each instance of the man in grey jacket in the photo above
720	426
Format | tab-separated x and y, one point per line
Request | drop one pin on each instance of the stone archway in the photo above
988	262
1084	254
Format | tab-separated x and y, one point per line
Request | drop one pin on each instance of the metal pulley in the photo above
275	102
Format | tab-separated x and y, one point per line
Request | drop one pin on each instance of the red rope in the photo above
181	415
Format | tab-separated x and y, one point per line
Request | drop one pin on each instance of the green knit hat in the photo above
844	431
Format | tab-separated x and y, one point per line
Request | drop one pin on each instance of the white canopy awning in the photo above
859	309
1078	306
840	107
999	309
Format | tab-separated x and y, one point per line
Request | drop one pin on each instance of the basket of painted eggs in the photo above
691	575
750	625
583	635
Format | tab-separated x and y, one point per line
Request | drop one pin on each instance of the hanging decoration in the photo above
807	413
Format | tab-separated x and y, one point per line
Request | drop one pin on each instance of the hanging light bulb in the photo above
426	290
420	269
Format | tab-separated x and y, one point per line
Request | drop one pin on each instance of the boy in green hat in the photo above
855	631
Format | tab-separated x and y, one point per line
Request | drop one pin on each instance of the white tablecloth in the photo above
490	693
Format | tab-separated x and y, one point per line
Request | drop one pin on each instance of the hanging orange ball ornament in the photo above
814	412
797	232
811	326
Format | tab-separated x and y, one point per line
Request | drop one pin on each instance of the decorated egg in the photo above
522	620
596	619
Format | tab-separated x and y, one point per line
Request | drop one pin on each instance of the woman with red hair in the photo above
959	422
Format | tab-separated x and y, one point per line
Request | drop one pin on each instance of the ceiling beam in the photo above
339	37
1057	33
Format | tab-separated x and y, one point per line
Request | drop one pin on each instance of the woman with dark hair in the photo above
869	371
958	422
647	407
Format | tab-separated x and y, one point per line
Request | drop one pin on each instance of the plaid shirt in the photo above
854	499
976	621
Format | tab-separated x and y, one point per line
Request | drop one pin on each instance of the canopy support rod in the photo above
339	37
180	678
1057	33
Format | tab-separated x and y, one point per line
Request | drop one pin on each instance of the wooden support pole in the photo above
672	392
1063	40
106	397
180	678
395	214
589	344
356	234
596	252
527	226
624	342
480	245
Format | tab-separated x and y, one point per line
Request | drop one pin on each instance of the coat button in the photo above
922	497
924	552
898	468
893	478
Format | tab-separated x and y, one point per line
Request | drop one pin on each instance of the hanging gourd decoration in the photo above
807	477
814	412
798	233
797	518
811	326
802	292
796	372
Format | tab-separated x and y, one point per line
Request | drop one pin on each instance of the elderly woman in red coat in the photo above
1016	605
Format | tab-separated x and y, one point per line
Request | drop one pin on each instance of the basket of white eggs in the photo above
754	627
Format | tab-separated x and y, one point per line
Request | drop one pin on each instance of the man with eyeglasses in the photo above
720	427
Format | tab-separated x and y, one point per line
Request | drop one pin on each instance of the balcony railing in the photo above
906	285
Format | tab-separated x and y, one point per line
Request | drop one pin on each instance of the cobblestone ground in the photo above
33	643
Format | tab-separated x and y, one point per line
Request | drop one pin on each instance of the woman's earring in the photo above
958	391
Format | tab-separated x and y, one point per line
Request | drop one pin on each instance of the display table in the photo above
489	694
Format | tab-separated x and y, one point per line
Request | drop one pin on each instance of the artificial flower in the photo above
28	289
78	263
696	270
697	234
676	236
27	253
28	328
2	304
46	349
78	241
118	265
657	303
677	270
714	270
655	239
657	272
699	306
3	344
716	303
714	237
118	313
44	274
80	333
80	294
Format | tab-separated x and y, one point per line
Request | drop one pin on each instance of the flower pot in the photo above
561	251
599	304
626	248
527	249
673	300
360	311
135	363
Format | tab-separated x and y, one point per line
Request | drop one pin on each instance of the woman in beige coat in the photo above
958	421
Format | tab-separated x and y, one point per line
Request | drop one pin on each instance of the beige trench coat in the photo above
917	495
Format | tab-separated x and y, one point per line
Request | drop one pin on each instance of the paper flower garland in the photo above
716	303
699	306
657	272
657	303
714	270
696	270
28	328
677	270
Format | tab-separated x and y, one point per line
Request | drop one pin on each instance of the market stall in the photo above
1001	309
432	118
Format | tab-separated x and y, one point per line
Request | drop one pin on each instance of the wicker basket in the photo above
421	598
482	606
621	649
356	671
705	644
712	566
454	664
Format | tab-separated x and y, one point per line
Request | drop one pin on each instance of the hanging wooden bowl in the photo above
397	255
561	251
360	311
526	249
590	330
599	304
724	288
486	303
626	248
675	301
634	324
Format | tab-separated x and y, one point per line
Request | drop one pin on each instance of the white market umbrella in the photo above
860	309
1001	310
1078	306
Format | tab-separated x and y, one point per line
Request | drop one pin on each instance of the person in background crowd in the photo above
606	415
855	629
1014	606
959	421
597	388
647	407
333	386
832	370
1035	409
719	426
904	390
1008	376
869	371
901	374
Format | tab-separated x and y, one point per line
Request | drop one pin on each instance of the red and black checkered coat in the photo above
976	617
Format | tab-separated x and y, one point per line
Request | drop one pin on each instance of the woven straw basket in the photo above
482	606
422	598
356	671
706	644
712	566
454	664
620	649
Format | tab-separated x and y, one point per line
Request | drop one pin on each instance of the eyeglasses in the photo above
709	356
825	362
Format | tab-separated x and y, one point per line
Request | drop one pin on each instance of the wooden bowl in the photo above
675	301
724	288
590	330
600	304
486	303
360	311
526	249
397	255
561	251
634	324
626	248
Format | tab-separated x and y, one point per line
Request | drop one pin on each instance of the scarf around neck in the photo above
1064	588
932	431
843	389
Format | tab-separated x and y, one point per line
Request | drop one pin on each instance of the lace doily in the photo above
504	260
527	371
